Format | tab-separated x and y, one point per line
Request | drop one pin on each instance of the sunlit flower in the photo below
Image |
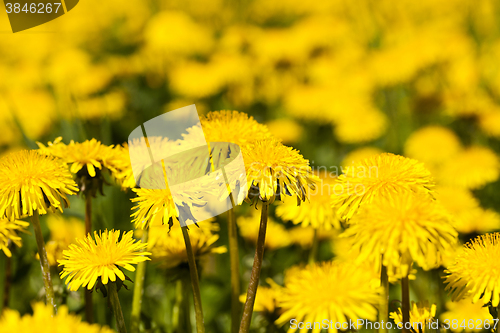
168	247
472	168
63	232
315	212
9	232
421	316
274	170
87	161
232	126
476	272
43	320
89	260
404	229
468	312
432	145
276	237
386	175
349	129
322	291
30	182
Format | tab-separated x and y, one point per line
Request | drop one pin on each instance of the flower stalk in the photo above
116	307
89	305
405	289
195	283
44	262
235	270
255	276
135	319
383	311
182	307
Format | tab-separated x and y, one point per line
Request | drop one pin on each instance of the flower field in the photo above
339	172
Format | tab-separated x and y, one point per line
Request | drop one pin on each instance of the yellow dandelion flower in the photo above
421	316
168	248
87	161
432	145
476	271
288	130
274	170
490	123
89	259
276	237
349	129
317	211
359	155
466	312
9	233
153	205
322	291
403	229
232	126
63	232
386	175
472	168
43	320
30	182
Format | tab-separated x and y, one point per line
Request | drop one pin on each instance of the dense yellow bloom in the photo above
468	215
153	205
232	126
286	129
472	168
386	175
9	232
169	249
315	212
490	123
432	145
465	312
276	237
43	320
476	271
30	182
404	229
274	170
421	316
322	291
89	259
349	129
359	155
90	155
63	232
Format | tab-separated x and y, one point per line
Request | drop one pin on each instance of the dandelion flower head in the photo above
386	175
421	315
9	232
30	183
101	258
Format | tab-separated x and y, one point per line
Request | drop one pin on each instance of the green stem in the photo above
235	271
313	254
254	278
135	318
195	283
383	311
182	307
116	307
8	279
405	289
89	305
44	262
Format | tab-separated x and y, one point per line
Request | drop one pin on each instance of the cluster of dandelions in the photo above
391	225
